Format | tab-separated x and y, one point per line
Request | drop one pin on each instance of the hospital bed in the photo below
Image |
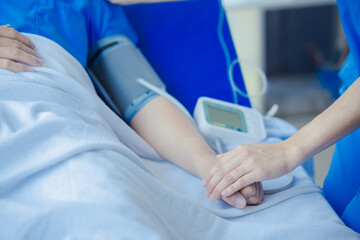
72	169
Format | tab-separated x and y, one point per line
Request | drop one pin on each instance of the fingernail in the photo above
39	61
212	197
240	201
207	194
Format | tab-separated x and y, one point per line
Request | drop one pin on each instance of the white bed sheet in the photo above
71	169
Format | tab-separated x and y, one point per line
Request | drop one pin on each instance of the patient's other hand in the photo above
250	195
17	51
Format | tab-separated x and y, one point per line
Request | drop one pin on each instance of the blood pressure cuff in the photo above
114	65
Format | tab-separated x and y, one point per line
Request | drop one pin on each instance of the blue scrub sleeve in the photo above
351	215
106	20
342	184
348	73
75	25
343	179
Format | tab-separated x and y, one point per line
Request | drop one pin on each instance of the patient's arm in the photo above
175	138
17	51
159	122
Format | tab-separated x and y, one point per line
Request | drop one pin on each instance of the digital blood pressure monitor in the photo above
230	123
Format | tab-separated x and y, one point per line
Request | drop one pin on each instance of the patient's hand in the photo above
17	51
250	195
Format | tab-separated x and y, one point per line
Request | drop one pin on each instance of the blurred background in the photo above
301	46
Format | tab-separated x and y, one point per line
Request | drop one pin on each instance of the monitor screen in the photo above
220	116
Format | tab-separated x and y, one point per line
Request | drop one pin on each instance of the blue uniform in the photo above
75	25
342	184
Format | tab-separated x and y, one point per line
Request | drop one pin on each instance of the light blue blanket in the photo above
71	169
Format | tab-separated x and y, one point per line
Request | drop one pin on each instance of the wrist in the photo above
204	163
294	154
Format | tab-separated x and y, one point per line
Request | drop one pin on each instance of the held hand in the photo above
246	165
250	195
17	51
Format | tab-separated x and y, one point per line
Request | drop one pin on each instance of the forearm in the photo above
173	136
337	121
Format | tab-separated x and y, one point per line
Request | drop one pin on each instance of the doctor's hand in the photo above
17	51
246	165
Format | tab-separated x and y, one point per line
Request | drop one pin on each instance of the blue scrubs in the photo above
75	25
342	184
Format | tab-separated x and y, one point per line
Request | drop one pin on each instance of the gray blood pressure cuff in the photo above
114	65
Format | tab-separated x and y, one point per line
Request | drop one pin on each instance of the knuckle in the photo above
232	177
259	150
256	162
231	188
252	189
246	153
17	44
253	200
13	33
222	161
249	190
228	179
221	170
253	159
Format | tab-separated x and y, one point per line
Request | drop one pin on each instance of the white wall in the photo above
247	29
